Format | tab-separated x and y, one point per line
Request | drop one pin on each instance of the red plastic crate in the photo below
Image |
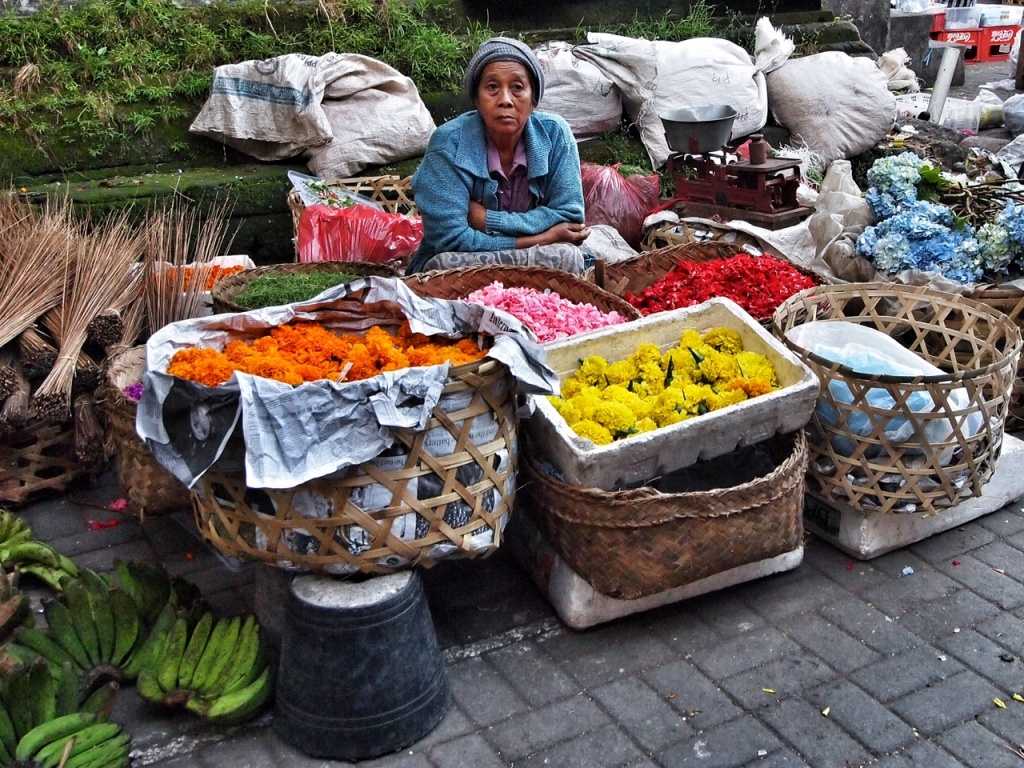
995	43
968	37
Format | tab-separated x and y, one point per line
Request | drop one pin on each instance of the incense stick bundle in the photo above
14	413
100	273
35	254
8	376
180	236
107	328
87	435
37	352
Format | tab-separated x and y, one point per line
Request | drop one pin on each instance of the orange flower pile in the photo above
309	352
213	273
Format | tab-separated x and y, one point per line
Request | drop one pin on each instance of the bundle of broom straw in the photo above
181	244
98	272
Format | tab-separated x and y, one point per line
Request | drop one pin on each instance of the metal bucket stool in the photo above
361	673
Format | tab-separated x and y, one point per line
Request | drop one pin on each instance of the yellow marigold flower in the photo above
646	424
638	405
690	338
592	431
750	387
592	371
587	401
616	417
671	417
724	340
622	371
695	397
571	387
652	376
731	395
755	366
682	362
566	410
647	353
716	366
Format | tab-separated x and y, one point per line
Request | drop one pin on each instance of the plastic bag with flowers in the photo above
946	231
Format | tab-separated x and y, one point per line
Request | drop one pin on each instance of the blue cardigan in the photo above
454	171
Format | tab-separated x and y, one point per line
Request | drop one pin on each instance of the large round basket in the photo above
693	230
149	488
442	492
226	290
904	458
459	283
638	273
394	193
1009	301
634	543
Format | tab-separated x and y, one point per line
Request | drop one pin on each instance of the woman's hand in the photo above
563	232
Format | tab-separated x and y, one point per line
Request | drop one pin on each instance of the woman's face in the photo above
504	99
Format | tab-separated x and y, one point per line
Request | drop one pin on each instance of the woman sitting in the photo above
501	184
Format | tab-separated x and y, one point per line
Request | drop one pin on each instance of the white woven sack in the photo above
658	76
376	115
578	92
836	105
269	109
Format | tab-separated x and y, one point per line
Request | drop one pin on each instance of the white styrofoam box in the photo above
641	457
580	606
963	18
1000	15
865	534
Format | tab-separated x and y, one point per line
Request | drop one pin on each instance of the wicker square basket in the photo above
975	346
149	488
394	193
634	543
38	460
442	492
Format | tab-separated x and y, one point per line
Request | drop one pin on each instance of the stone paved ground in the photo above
906	666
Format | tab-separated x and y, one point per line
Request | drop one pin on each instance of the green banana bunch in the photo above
216	668
32	696
74	740
19	551
152	588
92	627
14	606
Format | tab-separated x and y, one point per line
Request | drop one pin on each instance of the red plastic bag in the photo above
611	198
357	233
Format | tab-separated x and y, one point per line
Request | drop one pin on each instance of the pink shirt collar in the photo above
494	160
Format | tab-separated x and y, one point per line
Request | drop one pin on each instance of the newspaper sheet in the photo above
296	434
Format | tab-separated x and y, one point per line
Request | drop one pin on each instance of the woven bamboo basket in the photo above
227	289
392	192
634	543
37	461
394	512
459	283
640	272
1009	301
686	231
149	488
974	345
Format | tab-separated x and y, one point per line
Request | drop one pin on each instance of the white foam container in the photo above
638	459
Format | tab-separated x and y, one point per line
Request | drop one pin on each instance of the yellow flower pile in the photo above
606	401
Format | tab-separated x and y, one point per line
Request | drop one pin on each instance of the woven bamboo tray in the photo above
459	283
227	289
149	488
37	461
687	231
392	192
640	272
1009	301
977	347
634	543
447	492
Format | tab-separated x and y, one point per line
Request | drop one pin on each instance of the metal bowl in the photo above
695	130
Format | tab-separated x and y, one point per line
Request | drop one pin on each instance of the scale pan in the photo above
695	130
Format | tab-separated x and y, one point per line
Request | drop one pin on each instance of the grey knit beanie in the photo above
503	49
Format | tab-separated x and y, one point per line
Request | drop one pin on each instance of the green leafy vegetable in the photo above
272	290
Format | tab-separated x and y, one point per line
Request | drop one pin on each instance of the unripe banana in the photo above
235	706
97	733
77	601
194	650
227	649
51	730
33	551
126	624
62	630
214	648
